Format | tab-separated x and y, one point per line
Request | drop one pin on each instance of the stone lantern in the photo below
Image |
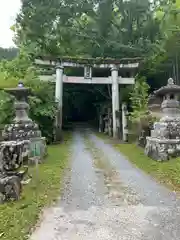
22	127
164	141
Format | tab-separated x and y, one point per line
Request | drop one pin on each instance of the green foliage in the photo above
164	62
17	68
42	105
139	100
105	29
94	28
109	28
6	108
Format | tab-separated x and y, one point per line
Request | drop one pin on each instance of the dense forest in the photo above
98	29
109	28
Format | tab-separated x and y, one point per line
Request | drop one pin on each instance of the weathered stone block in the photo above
162	149
12	157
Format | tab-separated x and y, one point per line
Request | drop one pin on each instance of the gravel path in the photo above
105	197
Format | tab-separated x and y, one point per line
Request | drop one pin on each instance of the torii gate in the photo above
130	65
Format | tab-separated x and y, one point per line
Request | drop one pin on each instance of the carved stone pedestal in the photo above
162	149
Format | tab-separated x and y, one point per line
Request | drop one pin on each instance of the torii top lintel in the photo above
93	62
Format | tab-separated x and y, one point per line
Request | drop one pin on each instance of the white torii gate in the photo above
114	79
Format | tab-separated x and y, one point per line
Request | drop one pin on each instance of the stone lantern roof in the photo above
20	91
168	89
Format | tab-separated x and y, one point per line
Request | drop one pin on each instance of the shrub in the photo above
140	116
42	105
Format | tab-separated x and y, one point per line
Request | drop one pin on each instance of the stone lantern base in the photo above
162	149
29	131
164	141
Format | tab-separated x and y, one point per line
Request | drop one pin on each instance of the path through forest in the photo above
105	197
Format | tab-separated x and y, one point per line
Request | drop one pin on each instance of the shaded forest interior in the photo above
80	104
81	101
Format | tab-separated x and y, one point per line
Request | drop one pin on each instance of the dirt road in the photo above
105	197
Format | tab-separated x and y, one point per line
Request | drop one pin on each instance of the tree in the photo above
109	28
139	100
95	28
164	63
140	117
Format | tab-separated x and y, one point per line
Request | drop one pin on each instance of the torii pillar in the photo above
115	100
59	101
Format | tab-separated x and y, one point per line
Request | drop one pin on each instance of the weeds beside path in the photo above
18	218
167	173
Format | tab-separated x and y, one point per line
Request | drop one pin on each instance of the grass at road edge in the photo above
18	218
167	173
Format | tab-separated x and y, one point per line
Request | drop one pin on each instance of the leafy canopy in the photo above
139	100
108	28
